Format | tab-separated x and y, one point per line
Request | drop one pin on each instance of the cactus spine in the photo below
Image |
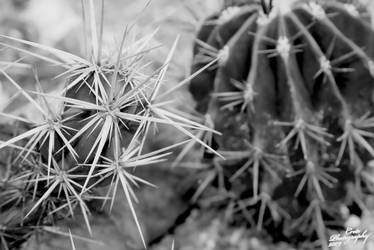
95	138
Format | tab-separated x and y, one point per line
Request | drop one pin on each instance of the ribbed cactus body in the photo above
290	86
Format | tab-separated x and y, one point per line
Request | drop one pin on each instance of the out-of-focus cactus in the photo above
290	86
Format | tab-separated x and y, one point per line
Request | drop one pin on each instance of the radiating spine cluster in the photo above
89	134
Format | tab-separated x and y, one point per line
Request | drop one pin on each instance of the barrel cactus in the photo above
289	84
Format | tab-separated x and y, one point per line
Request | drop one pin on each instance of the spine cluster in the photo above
89	134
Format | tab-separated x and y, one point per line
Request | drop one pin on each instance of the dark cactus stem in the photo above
266	7
291	90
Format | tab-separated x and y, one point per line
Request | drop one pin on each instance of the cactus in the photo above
53	162
289	84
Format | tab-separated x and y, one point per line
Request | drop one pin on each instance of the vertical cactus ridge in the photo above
292	98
